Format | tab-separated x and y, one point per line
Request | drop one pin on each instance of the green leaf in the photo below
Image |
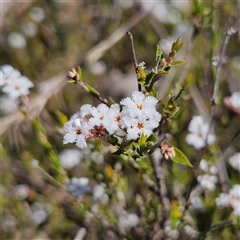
181	158
93	91
152	138
158	52
180	62
79	71
142	140
113	140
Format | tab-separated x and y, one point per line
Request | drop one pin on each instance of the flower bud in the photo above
167	151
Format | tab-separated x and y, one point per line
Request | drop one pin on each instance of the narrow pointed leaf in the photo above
181	158
180	62
92	90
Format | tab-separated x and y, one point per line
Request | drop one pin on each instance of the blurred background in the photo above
44	40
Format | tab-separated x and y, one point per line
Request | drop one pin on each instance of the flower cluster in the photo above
198	130
232	199
133	116
13	83
209	179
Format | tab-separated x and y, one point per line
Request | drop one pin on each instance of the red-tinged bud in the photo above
167	151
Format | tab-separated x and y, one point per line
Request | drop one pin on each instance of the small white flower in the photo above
40	212
235	100
8	73
37	14
99	194
16	40
70	158
234	161
223	200
21	191
113	119
29	29
204	165
139	115
79	186
198	130
17	87
207	181
234	199
128	222
75	131
99	115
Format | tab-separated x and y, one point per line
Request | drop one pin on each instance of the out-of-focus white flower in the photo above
196	204
189	230
173	233
7	105
207	181
70	158
29	29
17	87
8	73
129	221
204	165
235	100
37	14
99	194
97	157
98	68
21	191
79	186
9	222
232	199
222	200
234	161
16	40
40	212
198	130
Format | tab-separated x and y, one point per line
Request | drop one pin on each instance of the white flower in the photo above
234	161
203	165
17	87
198	130
70	158
139	115
99	115
207	181
37	14
234	199
99	194
113	119
129	221
75	131
223	200
79	186
21	191
16	40
8	73
235	100
29	29
40	212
